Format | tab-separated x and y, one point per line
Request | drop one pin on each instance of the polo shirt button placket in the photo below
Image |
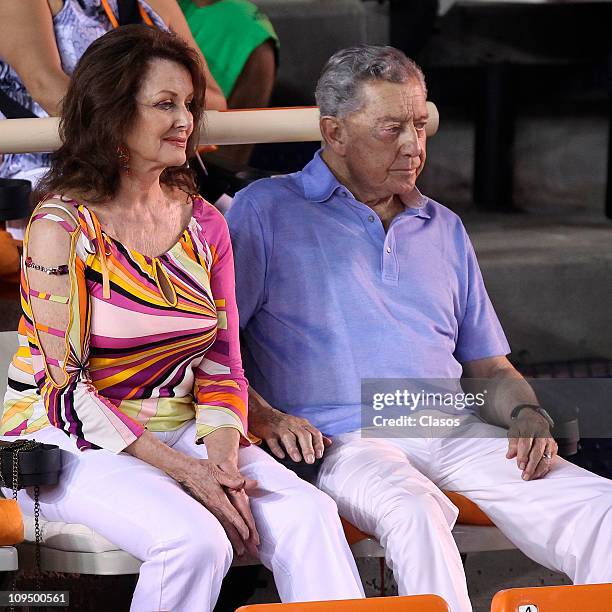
371	218
389	264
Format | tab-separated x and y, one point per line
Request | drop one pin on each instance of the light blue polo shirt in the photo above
327	298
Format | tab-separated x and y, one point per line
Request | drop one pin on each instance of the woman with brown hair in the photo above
129	354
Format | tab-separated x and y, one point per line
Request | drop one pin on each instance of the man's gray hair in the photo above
338	90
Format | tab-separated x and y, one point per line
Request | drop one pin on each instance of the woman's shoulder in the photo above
211	225
51	226
57	206
207	215
58	214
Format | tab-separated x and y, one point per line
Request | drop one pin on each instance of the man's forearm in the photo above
509	389
258	407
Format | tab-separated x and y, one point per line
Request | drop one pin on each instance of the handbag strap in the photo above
130	11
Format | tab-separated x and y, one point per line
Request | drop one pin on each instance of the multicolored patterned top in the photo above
152	341
76	26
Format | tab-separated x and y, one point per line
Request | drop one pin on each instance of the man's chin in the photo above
406	188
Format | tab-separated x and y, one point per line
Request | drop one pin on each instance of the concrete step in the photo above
550	282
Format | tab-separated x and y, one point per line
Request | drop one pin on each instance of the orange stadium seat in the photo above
412	603
469	514
9	266
566	598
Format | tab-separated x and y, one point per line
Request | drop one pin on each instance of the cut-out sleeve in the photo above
220	386
57	312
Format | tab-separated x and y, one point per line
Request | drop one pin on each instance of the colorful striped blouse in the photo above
136	356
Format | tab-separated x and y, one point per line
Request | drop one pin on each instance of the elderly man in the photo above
346	272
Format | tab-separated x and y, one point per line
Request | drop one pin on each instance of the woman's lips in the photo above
181	143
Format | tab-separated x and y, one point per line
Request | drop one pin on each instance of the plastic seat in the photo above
469	512
474	532
566	598
8	559
412	603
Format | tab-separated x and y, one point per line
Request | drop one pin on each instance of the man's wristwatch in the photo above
516	411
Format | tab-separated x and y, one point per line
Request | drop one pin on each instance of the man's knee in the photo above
406	510
310	506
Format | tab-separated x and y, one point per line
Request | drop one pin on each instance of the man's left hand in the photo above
284	433
531	442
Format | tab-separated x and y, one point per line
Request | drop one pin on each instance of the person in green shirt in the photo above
241	48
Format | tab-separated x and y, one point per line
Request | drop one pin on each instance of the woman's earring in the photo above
124	158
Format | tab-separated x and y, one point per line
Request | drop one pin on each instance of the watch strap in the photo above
537	408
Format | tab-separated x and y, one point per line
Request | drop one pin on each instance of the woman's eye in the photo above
165	105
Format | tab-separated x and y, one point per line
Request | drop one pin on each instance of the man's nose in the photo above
410	144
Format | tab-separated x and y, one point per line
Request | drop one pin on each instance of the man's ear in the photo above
334	134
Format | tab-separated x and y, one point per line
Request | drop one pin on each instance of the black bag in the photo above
27	463
306	471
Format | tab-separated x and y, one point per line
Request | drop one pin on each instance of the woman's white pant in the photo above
391	488
184	549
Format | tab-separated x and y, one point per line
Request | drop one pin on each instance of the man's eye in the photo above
420	127
393	129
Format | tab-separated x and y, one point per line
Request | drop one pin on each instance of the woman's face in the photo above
158	138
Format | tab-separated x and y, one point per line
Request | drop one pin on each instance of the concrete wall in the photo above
551	285
310	31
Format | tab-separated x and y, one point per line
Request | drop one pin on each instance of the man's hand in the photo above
285	433
531	442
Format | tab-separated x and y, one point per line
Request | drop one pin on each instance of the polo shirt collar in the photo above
420	205
318	180
320	184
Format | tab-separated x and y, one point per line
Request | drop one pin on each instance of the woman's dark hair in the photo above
100	106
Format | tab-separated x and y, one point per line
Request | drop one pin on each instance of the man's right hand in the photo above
284	433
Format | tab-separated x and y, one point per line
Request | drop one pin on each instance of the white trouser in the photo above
391	488
184	549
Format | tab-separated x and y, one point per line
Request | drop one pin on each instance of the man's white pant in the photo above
391	488
185	550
